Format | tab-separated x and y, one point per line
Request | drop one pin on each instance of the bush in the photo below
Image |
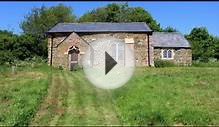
77	68
37	59
60	67
6	57
29	62
163	63
205	64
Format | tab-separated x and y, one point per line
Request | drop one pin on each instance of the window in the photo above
121	52
167	54
114	51
118	51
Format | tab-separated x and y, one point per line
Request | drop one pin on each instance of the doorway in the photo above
73	57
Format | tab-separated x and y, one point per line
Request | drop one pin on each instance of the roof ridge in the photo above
169	32
101	27
101	23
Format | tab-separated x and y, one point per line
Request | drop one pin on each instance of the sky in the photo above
181	15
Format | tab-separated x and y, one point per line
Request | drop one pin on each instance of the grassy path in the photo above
72	100
153	96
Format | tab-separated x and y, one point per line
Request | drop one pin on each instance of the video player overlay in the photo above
108	63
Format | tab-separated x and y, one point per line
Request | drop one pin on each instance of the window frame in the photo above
167	54
117	49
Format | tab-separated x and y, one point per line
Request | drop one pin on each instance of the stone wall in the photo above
140	43
182	56
62	42
61	45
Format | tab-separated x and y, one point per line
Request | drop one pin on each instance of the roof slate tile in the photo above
169	39
101	27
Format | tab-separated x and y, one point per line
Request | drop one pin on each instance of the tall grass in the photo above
169	96
21	93
153	96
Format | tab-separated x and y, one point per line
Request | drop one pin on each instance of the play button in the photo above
108	63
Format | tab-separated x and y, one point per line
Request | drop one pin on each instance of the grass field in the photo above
154	96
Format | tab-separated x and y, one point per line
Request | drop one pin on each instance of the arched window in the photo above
167	54
73	49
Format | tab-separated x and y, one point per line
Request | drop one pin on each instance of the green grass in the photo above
168	96
21	94
153	96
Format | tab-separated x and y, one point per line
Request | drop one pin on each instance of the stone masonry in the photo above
62	42
182	56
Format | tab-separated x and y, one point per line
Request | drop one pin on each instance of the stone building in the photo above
67	43
171	46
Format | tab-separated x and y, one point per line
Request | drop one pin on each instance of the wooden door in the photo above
73	60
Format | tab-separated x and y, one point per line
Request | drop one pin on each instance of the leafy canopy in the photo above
33	41
204	45
169	29
120	13
14	47
40	20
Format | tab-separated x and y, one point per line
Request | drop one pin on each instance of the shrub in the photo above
60	67
77	68
6	57
163	63
205	64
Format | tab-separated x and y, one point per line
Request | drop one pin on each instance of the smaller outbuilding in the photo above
171	46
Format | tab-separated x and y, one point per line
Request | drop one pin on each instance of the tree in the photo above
203	44
216	54
7	40
40	20
120	13
26	46
169	29
14	47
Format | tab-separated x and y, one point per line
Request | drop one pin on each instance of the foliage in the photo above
120	13
204	64
216	53
33	41
204	45
32	62
77	68
7	40
13	47
6	56
169	29
163	63
25	46
40	20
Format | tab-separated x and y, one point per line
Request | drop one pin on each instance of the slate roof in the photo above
101	27
169	39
